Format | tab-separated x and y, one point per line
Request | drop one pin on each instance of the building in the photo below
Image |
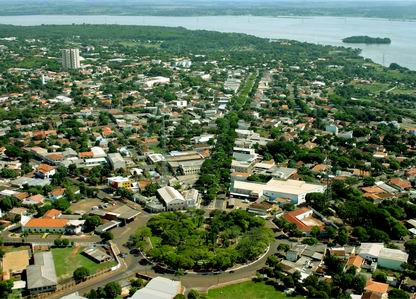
159	288
370	251
171	198
45	171
45	225
392	259
385	257
293	190
304	219
116	161
331	128
97	255
71	59
119	182
374	289
41	276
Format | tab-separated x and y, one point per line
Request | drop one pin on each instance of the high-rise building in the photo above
70	59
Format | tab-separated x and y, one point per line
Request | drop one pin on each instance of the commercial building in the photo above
119	182
392	259
71	59
384	257
293	190
41	277
171	198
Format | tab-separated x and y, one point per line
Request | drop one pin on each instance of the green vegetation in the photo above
401	10
67	260
186	241
364	39
247	290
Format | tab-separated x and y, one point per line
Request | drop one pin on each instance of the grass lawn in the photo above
67	261
247	290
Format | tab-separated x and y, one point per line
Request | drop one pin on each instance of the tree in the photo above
65	242
57	242
61	204
91	222
397	294
380	276
112	289
5	288
315	231
180	296
107	236
80	274
342	237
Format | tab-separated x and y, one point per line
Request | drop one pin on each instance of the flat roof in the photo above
393	254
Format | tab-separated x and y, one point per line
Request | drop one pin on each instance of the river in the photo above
320	30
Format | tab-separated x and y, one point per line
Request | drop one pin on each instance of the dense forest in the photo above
188	241
364	39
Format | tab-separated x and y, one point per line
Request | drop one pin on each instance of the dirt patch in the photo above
75	250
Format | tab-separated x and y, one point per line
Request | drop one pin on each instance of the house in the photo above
159	288
303	219
45	171
354	261
41	276
37	199
400	184
378	288
57	193
263	208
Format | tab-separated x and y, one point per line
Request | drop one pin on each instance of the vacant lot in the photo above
85	204
247	290
69	259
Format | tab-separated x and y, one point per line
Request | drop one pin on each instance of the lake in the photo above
320	30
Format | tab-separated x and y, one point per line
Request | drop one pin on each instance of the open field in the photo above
67	261
247	290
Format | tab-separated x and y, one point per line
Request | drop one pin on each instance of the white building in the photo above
370	251
293	190
71	59
171	198
159	288
385	257
149	83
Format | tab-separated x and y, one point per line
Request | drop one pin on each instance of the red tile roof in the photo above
46	223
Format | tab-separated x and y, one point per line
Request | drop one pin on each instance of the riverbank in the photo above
318	30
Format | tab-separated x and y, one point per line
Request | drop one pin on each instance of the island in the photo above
364	39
